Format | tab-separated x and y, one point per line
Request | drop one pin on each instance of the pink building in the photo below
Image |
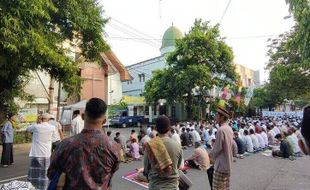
96	76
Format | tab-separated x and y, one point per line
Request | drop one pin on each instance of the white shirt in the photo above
148	131
196	136
77	125
255	141
248	143
56	135
241	132
294	143
144	140
176	137
260	140
41	139
276	130
265	137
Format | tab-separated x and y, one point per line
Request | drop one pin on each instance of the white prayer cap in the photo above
47	116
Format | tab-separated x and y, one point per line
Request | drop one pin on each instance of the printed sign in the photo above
28	115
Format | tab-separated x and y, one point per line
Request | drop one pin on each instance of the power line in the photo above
224	13
132	28
131	34
229	38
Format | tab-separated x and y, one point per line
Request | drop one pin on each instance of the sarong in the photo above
220	181
37	173
7	154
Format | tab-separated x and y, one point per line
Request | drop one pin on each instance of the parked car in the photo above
123	119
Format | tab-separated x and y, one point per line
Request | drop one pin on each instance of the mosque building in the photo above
142	71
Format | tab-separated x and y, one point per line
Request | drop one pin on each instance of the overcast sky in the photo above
136	26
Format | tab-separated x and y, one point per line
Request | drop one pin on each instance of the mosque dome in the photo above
170	35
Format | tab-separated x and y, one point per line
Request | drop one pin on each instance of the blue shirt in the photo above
206	135
8	132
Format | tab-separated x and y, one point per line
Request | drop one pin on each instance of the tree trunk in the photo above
189	107
58	100
51	95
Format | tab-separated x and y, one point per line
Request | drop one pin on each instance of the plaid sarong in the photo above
37	173
220	181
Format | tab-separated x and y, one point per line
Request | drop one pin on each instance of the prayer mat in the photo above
246	154
133	178
267	153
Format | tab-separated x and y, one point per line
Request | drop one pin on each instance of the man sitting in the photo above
285	148
240	144
200	158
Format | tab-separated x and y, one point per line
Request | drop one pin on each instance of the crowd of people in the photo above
89	158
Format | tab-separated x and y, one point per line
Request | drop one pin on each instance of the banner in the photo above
28	115
249	95
281	114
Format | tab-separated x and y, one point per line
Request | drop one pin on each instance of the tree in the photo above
301	12
201	60
266	97
289	62
32	35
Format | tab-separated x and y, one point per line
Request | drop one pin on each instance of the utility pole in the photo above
58	100
51	94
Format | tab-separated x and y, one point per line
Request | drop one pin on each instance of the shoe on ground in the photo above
5	166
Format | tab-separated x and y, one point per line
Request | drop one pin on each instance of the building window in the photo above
129	82
142	77
249	82
146	110
135	111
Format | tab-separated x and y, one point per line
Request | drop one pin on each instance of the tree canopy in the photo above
200	61
32	35
289	62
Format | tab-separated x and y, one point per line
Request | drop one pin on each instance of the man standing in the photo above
7	136
163	158
222	153
88	159
77	123
58	136
40	152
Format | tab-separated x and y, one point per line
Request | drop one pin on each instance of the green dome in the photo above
170	35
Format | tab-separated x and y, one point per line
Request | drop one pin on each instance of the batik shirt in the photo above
88	159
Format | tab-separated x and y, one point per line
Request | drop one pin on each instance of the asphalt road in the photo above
256	172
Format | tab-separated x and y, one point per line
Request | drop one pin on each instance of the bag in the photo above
184	182
210	172
57	182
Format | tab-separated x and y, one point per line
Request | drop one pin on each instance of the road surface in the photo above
256	172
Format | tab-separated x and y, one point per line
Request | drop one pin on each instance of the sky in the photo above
136	27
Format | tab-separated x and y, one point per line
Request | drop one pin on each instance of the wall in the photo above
36	88
95	82
115	85
136	87
248	76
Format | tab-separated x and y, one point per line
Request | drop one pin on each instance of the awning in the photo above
76	106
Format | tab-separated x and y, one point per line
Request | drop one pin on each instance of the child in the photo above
120	151
134	150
